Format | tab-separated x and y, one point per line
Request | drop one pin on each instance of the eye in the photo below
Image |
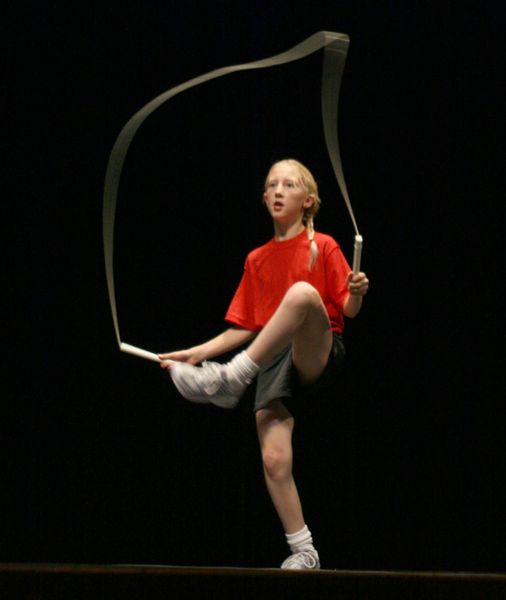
272	184
289	184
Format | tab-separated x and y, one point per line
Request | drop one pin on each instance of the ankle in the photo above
242	367
300	540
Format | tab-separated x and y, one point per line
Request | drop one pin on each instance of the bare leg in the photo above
274	427
301	320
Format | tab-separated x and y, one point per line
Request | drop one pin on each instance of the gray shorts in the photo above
278	379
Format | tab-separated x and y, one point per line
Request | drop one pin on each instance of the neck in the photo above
283	232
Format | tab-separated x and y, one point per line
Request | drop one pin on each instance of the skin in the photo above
301	320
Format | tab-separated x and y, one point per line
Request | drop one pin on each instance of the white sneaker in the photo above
209	383
306	559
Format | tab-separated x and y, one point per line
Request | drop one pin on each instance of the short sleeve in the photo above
336	270
242	310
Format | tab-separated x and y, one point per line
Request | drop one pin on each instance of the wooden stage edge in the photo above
170	570
131	581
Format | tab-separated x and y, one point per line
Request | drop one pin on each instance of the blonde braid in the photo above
313	246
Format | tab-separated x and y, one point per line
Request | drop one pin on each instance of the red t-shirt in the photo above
274	267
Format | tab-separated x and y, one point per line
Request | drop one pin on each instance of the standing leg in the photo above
275	426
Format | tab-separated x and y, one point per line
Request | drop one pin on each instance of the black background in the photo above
402	467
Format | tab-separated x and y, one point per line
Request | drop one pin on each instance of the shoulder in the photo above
326	241
258	252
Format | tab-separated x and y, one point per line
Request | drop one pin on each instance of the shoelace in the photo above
304	558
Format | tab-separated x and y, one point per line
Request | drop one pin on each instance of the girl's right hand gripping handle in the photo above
357	253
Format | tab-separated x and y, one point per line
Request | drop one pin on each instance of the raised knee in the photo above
302	292
277	463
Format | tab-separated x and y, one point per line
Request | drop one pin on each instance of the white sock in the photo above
242	368
300	540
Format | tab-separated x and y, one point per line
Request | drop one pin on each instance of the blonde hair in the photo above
309	182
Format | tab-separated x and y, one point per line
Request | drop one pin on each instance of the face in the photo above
285	195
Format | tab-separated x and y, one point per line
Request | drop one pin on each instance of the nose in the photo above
279	189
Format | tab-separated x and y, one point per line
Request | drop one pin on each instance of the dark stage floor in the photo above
59	581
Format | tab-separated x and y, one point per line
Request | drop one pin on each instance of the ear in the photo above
309	201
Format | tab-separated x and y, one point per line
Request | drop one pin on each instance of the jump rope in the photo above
335	47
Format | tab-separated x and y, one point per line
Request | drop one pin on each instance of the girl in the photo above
290	302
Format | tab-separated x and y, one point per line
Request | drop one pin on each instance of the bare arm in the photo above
358	284
224	342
